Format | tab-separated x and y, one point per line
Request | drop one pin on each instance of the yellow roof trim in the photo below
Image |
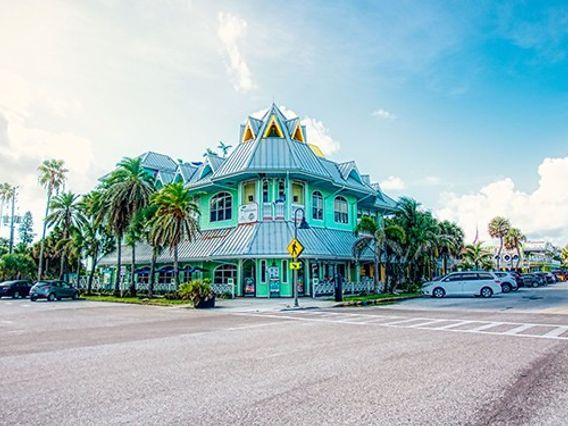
316	150
248	134
298	134
273	124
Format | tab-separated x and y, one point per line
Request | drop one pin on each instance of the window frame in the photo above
221	207
317	211
226	271
340	216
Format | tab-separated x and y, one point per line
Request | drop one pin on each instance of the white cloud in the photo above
231	29
541	214
383	114
317	133
393	183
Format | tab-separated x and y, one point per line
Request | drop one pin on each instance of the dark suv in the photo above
15	289
52	290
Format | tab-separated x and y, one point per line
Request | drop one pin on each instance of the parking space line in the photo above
518	329
427	323
486	326
455	324
557	332
402	322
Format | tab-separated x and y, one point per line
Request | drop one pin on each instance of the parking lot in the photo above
425	361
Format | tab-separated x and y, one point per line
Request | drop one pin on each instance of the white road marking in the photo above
425	324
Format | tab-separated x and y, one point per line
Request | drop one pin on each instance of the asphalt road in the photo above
421	362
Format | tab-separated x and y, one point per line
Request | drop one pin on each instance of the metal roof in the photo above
153	160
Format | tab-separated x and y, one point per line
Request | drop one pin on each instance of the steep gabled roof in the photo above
155	161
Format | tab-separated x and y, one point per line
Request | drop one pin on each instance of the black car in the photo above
53	290
15	289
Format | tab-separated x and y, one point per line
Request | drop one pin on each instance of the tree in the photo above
127	191
16	266
224	148
477	257
176	220
382	240
5	196
134	235
564	256
52	179
66	215
514	241
451	241
26	229
498	228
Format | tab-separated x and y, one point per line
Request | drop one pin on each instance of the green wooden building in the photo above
248	202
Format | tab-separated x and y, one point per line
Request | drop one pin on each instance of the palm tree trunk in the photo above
518	258
377	271
445	264
499	253
78	270
176	267
152	272
42	243
118	266
92	273
62	266
132	289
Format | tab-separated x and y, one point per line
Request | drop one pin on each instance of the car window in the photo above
500	274
483	276
454	277
469	276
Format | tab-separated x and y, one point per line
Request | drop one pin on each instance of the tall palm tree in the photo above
66	215
564	256
5	196
176	220
127	191
52	179
148	215
475	256
514	241
133	236
498	228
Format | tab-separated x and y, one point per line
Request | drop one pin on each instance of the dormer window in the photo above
341	210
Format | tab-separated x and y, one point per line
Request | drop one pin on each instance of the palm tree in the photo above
564	256
176	220
66	215
133	236
498	228
52	179
514	241
127	191
5	196
475	256
149	213
224	148
380	239
451	238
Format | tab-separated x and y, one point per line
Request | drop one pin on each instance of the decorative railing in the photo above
327	288
223	289
279	211
267	213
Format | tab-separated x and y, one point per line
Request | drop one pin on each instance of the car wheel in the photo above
51	297
486	292
16	295
534	285
516	288
506	288
75	296
33	298
438	292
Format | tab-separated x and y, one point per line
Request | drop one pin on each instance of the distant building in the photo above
535	256
248	202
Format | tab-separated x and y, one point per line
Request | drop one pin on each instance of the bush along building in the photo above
249	202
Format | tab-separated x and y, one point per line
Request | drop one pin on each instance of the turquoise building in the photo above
248	202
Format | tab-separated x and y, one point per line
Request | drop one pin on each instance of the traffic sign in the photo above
295	248
295	266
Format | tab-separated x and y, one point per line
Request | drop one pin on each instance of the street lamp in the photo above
303	225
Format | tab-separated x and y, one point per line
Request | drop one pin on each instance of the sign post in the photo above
295	248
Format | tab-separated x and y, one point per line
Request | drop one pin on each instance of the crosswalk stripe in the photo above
456	324
558	331
518	329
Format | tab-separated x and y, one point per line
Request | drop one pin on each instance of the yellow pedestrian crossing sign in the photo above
295	266
295	248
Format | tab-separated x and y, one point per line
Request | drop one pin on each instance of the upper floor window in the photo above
221	207
317	206
281	190
298	193
341	210
265	191
249	192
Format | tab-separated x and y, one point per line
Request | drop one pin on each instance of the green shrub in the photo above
196	290
174	295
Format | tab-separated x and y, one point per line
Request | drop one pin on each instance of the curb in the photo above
375	301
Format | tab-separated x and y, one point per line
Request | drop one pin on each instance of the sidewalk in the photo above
271	305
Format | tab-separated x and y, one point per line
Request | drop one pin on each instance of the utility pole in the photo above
12	219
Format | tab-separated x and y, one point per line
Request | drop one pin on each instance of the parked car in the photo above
544	277
518	278
532	280
52	290
474	283
561	275
508	281
15	289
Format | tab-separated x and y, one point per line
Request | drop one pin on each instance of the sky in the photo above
461	105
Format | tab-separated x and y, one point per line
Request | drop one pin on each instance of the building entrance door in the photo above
249	278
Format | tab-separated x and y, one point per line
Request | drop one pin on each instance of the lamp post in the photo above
303	225
11	245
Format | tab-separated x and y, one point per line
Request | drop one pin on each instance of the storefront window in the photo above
224	273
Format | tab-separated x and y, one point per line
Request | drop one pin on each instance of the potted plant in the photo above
199	292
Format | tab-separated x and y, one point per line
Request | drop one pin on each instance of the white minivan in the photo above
471	283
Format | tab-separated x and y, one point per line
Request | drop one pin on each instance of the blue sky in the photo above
463	105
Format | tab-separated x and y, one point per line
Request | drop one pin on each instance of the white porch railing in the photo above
327	288
267	213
